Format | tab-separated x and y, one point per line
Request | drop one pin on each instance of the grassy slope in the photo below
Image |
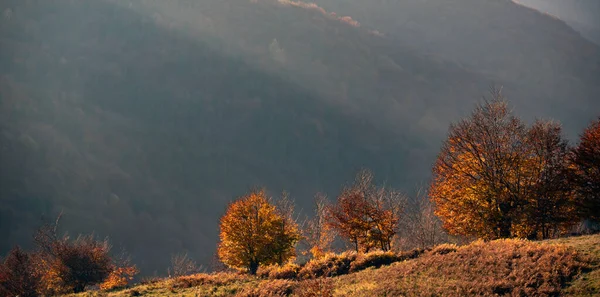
587	284
513	267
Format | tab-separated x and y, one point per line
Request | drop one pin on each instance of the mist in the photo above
140	120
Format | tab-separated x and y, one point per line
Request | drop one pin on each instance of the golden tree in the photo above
255	232
495	178
586	160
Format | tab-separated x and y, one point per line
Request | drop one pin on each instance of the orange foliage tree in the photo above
69	266
496	178
586	163
255	232
366	215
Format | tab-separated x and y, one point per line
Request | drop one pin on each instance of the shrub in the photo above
502	267
373	259
219	279
119	278
328	265
71	266
443	249
18	275
182	264
412	254
287	271
269	288
319	287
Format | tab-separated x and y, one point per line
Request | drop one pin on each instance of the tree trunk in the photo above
79	288
253	267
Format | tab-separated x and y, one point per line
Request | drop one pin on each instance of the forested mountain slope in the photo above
140	120
538	57
582	15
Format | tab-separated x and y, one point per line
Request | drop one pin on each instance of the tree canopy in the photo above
497	178
586	160
255	232
366	215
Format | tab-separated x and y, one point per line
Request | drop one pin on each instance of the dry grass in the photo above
565	267
587	284
287	271
503	267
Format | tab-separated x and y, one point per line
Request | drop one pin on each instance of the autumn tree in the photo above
69	266
549	207
496	178
366	215
255	232
19	274
585	159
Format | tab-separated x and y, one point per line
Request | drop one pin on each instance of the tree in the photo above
550	205
421	228
585	159
254	232
19	275
288	233
366	215
496	178
69	266
317	233
182	264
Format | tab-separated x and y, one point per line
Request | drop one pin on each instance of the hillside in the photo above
535	55
155	123
582	15
142	119
564	267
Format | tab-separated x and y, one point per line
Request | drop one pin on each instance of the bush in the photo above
269	288
328	265
119	278
412	254
320	287
219	279
18	274
501	267
373	259
443	249
287	271
71	266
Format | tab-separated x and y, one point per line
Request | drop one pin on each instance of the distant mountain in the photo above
141	119
582	15
535	55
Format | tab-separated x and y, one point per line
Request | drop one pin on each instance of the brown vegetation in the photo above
503	267
585	159
18	274
61	265
182	264
496	178
513	267
366	215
